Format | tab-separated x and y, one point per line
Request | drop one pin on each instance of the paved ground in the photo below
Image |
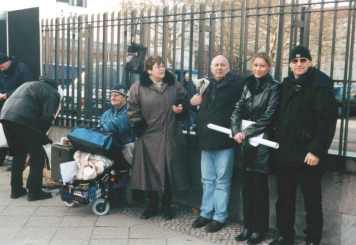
50	222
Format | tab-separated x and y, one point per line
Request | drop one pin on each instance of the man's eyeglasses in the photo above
301	60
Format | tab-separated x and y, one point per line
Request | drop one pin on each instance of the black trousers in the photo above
256	202
23	141
309	179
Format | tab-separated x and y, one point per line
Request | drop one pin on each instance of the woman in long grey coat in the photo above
153	104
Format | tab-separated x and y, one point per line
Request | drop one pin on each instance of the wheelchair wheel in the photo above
101	207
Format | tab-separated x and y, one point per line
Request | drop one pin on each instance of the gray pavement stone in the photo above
69	242
73	233
149	231
24	242
51	211
110	233
8	233
18	210
44	222
13	221
109	242
35	233
79	221
147	242
118	220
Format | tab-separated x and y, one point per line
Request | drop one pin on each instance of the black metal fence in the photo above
88	53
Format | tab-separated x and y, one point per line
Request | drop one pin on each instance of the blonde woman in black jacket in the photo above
258	103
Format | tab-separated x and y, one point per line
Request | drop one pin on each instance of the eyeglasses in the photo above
301	60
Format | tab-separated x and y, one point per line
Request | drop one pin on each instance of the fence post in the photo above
278	70
201	47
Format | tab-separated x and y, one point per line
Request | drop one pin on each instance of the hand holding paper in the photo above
254	141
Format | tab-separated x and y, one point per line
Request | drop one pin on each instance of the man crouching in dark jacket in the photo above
305	128
26	117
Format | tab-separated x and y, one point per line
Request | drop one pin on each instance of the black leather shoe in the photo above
38	196
214	226
243	236
200	222
281	241
18	193
168	213
255	238
149	213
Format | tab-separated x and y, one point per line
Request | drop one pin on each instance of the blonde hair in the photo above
264	56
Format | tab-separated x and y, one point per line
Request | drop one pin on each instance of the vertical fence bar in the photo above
148	27
118	48
79	70
165	34
111	49
268	28
278	70
104	66
243	32
212	34
69	75
344	116
231	32
155	45
333	42
201	40
174	37
222	21
257	24
182	44
320	38
56	49
191	38
97	24
349	79
63	48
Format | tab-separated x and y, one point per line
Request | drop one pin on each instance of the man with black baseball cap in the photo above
12	75
305	128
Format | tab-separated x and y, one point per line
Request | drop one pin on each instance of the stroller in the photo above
103	191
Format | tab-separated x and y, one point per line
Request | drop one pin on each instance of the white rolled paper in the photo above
252	141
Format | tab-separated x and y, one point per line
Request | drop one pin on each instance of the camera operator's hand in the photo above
177	108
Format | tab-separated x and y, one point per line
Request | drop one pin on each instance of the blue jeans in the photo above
216	170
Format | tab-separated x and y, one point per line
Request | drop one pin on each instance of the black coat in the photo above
12	78
218	103
306	118
32	105
258	103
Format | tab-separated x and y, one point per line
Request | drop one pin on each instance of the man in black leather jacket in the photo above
305	128
26	117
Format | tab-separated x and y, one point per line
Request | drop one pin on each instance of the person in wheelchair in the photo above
115	121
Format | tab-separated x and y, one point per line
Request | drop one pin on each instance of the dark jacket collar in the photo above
229	78
256	85
146	81
312	78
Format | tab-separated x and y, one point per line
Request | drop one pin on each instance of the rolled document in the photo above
255	141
